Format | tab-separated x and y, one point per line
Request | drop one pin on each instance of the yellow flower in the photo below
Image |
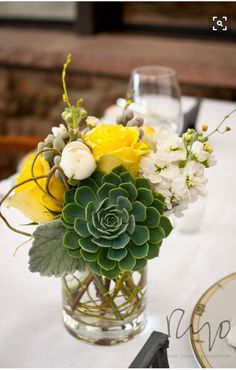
32	201
114	145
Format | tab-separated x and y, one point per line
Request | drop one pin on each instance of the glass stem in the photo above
107	297
81	292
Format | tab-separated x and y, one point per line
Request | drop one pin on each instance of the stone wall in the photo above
31	102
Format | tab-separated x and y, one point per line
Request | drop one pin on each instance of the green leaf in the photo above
85	195
91	183
121	241
71	239
140	235
89	210
81	228
145	196
71	211
125	215
66	224
115	193
97	177
127	177
143	183
140	264
112	178
138	251
70	196
166	225
156	235
139	211
118	243
111	274
131	189
128	263
74	253
94	267
123	202
93	232
48	256
103	192
152	218
159	197
160	206
117	254
153	251
131	226
88	245
118	170
104	261
88	256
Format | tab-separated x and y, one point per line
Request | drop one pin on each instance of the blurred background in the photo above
107	41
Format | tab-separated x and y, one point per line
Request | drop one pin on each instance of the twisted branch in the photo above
7	195
36	182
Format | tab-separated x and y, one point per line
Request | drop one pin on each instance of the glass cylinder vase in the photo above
103	311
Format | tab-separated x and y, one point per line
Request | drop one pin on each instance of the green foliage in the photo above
114	222
48	255
73	115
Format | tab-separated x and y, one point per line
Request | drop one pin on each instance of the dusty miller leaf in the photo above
48	256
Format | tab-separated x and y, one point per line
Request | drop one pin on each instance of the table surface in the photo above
31	329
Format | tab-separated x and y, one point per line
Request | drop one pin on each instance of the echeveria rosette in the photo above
115	222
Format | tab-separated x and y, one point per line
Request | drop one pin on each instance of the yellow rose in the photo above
114	145
32	201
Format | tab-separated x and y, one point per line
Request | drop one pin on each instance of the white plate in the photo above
212	319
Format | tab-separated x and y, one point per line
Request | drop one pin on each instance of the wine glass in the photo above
156	96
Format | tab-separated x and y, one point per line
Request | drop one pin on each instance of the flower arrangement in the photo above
100	196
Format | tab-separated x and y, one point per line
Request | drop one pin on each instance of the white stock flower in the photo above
157	167
173	173
77	161
179	188
199	152
211	160
161	136
194	178
168	141
60	131
176	148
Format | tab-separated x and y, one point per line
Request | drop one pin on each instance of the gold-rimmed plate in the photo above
213	317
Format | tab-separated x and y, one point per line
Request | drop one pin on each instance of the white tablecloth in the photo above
31	329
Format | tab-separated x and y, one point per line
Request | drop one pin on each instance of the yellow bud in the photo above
208	148
188	137
204	127
202	139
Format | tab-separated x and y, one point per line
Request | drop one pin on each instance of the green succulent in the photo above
114	222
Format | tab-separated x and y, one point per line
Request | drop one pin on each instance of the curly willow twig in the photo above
6	196
48	193
220	124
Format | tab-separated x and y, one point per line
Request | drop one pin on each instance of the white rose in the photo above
77	161
199	152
